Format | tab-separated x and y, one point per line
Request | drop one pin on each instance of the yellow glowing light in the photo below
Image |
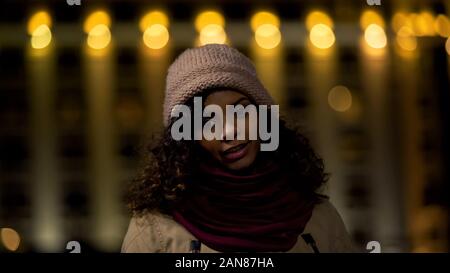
411	22
41	37
400	20
96	18
38	19
322	36
318	17
370	17
99	37
267	36
375	36
406	39
447	46
152	18
376	53
423	23
428	21
340	98
442	25
156	36
212	34
418	24
10	239
209	18
262	18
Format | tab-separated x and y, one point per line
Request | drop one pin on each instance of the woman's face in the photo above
232	154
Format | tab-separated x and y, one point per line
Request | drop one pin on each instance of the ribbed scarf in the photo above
255	212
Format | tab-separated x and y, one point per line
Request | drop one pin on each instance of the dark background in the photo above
71	122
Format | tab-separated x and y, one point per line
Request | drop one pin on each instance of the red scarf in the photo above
257	212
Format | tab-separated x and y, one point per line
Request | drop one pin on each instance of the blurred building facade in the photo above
72	116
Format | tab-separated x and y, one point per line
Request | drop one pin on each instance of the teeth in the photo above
235	149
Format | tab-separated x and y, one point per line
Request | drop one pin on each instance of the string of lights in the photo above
211	28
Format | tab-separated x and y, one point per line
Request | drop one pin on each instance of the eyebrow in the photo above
240	100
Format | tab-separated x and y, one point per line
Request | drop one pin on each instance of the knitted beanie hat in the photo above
211	66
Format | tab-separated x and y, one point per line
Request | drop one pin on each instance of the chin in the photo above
242	163
238	166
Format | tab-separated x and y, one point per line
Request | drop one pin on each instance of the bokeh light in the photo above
399	20
406	39
322	36
340	98
97	26
370	17
99	17
268	36
423	23
318	17
99	37
10	239
262	18
442	25
210	25
156	36
38	19
212	34
39	29
209	17
41	37
375	36
152	18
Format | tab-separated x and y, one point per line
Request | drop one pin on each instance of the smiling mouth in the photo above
235	153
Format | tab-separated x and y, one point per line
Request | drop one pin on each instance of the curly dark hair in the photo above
167	165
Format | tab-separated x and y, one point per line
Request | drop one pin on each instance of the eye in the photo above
244	103
242	110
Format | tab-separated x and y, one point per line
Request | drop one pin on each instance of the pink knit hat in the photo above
211	66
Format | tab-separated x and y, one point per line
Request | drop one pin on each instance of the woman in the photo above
228	195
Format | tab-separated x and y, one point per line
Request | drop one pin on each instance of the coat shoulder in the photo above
155	232
143	234
327	223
